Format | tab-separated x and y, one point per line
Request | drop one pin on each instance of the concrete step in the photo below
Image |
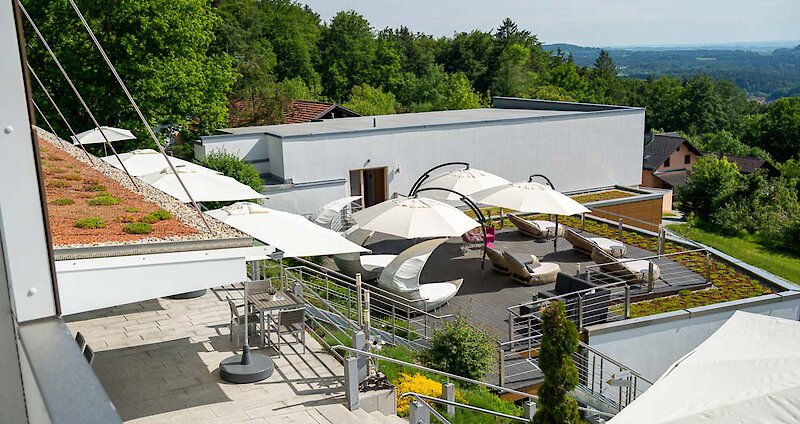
339	414
388	419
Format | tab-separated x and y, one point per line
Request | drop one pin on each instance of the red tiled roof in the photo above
306	111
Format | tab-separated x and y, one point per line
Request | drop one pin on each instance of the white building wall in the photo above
650	345
246	146
575	152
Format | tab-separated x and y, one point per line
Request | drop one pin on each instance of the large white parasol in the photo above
413	217
141	162
204	187
530	198
464	181
94	136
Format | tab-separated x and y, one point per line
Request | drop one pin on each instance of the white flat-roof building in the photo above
578	146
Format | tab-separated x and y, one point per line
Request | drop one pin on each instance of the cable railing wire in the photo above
46	121
58	110
75	90
138	112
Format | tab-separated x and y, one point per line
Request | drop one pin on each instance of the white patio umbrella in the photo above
748	371
291	233
465	181
413	217
141	162
330	212
529	198
94	136
204	187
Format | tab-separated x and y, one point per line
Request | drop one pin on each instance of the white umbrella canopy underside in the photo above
330	211
204	187
748	371
530	198
411	217
464	181
147	161
293	234
93	136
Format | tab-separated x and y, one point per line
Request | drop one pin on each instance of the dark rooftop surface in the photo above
658	147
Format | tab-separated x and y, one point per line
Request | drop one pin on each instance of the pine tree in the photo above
559	342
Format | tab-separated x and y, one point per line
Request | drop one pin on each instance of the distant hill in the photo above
767	74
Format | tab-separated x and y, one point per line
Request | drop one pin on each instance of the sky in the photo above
596	23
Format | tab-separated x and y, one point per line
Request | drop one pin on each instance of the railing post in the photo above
583	222
360	306
367	318
351	383
620	229
580	313
578	269
501	363
528	410
588	275
708	266
425	324
418	413
360	343
662	235
449	393
627	301
349	304
510	326
394	324
650	276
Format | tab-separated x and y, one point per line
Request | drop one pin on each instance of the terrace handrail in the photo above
341	278
421	399
427	398
452	376
514	308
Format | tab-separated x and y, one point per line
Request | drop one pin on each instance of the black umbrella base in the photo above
246	368
188	295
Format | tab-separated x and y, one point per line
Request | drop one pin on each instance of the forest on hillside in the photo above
768	75
195	67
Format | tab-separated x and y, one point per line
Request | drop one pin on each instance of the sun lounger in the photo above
535	273
369	266
536	228
499	262
627	270
585	244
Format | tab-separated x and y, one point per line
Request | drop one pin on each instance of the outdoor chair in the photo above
627	270
237	320
534	274
80	340
402	277
499	262
536	228
290	321
473	239
369	266
88	353
585	244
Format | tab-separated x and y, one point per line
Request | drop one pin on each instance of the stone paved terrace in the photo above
486	296
158	361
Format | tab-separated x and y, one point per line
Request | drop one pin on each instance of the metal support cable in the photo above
53	102
75	90
46	121
138	111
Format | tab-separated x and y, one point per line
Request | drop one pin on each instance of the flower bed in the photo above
601	195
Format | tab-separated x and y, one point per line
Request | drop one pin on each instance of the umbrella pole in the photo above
555	238
483	256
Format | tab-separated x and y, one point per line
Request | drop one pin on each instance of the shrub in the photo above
63	201
54	158
138	228
461	348
126	219
231	166
708	186
132	209
417	383
149	219
161	214
58	184
57	170
73	177
104	200
90	223
94	185
559	343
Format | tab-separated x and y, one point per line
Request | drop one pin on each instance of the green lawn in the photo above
782	264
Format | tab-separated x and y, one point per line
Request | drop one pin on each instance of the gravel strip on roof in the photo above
184	213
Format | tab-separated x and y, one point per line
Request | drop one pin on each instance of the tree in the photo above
559	343
368	100
778	129
709	184
513	78
161	48
347	49
604	77
725	142
460	95
232	166
471	54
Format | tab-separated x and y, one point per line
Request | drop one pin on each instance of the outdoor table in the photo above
264	303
